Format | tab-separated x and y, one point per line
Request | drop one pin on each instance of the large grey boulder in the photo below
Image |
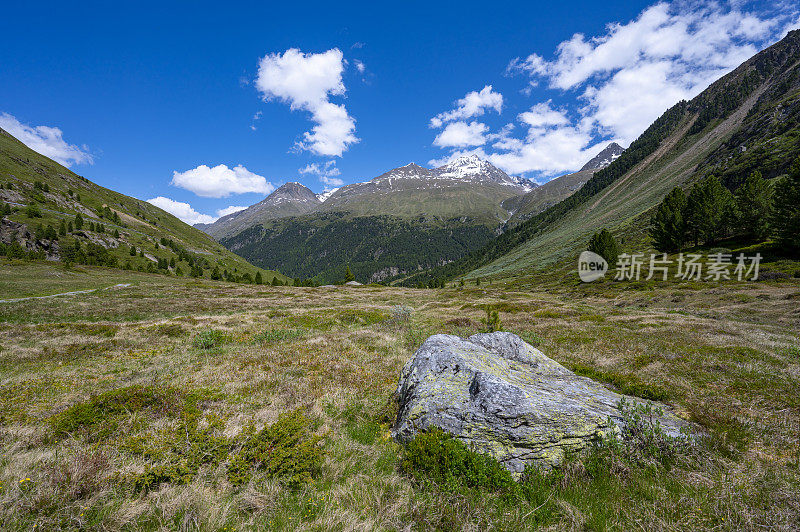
505	398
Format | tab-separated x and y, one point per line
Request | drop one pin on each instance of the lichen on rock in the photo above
507	399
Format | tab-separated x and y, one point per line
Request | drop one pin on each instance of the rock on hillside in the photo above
503	396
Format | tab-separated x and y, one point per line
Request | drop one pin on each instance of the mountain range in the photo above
414	224
404	220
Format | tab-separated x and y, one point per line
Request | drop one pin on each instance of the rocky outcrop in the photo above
11	231
507	399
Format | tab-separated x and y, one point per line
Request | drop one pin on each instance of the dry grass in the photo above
728	361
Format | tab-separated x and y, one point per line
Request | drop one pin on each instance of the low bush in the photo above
99	417
287	450
437	457
209	339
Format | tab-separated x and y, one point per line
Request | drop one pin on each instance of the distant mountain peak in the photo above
604	158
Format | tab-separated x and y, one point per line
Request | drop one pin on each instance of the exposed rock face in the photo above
503	396
11	231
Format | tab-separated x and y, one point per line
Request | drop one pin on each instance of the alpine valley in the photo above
403	221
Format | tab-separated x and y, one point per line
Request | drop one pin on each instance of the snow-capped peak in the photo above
326	194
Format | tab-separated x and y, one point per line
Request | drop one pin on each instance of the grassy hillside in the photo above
28	178
127	409
545	196
757	106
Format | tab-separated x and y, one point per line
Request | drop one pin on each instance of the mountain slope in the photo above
756	105
290	199
559	188
29	178
467	187
406	220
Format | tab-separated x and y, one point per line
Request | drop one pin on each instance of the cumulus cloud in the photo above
181	210
306	82
628	76
185	212
461	134
624	78
360	66
473	104
221	181
46	140
326	173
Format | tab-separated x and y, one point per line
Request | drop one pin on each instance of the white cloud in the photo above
473	104
306	82
183	211
221	181
543	115
186	213
229	210
256	117
632	73
326	173
360	66
625	78
461	134
46	140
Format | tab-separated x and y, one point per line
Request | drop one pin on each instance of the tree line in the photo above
757	210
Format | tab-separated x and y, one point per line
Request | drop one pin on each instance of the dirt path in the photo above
121	285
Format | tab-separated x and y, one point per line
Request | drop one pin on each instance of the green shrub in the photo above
435	456
277	335
98	417
492	320
287	450
179	453
32	211
209	339
642	441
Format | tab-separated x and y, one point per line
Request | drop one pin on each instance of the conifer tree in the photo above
78	222
603	244
668	228
708	209
348	275
786	218
754	207
259	279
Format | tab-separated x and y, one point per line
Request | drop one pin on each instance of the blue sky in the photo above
206	106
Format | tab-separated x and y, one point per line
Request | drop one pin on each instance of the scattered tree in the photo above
259	279
78	222
786	218
603	244
668	227
708	210
32	211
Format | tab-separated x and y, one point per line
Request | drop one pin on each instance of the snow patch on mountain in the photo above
322	196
